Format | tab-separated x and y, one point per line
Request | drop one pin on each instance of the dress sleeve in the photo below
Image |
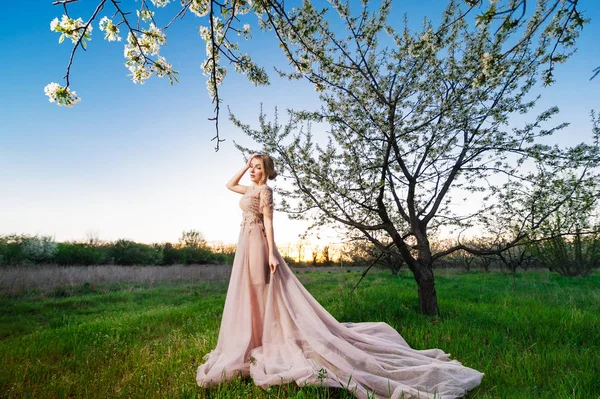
266	202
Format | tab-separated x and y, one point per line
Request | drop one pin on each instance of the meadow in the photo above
534	335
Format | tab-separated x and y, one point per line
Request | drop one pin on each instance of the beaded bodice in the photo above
256	203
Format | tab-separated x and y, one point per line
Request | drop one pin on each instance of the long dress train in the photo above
275	331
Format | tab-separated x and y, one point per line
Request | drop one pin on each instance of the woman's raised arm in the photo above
233	183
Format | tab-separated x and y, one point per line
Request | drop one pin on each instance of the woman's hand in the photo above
273	263
250	159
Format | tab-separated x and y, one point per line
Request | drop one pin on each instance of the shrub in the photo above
126	252
11	249
80	254
196	255
170	254
39	249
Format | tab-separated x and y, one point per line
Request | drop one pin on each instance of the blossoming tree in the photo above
414	118
225	21
418	120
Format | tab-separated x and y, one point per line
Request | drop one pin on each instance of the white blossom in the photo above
149	42
137	52
139	72
427	41
160	3
487	64
164	69
488	70
200	7
111	31
71	29
131	49
54	24
61	95
145	15
39	249
152	38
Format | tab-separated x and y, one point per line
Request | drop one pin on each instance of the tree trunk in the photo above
427	294
422	270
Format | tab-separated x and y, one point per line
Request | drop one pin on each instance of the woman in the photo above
274	331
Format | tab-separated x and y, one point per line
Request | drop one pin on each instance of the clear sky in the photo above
136	161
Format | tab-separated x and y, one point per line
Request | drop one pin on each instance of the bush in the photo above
11	249
80	254
196	255
39	249
127	253
170	254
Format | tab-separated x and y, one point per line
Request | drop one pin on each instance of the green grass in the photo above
535	337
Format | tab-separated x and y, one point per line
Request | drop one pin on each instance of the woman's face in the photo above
256	170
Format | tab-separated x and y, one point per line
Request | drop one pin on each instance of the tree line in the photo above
576	255
191	248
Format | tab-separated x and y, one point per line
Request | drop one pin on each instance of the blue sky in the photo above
137	162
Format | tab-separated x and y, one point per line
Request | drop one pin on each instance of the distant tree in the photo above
577	255
11	251
326	256
192	238
170	254
466	260
128	253
300	245
92	238
393	261
486	261
315	256
515	257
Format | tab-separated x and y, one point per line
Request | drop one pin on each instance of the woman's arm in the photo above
233	183
266	202
273	262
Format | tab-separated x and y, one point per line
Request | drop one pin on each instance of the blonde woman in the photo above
275	331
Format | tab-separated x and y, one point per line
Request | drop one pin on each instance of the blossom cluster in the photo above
160	3
72	29
137	50
61	95
489	70
215	75
200	7
245	32
111	31
142	45
145	15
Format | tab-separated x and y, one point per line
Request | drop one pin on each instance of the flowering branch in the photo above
553	20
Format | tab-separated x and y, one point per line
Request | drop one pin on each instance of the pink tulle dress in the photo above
274	331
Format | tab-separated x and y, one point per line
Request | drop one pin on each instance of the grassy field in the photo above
535	337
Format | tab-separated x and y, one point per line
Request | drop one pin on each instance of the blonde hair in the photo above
268	167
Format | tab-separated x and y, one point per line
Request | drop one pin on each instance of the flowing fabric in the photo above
274	331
